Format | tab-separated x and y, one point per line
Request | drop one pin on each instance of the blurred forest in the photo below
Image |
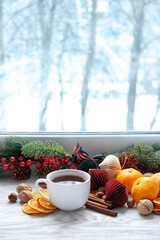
79	65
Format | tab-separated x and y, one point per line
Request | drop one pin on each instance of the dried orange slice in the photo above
37	195
29	210
46	204
35	205
157	202
156	209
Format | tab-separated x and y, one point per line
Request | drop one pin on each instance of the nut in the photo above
130	203
12	197
148	174
101	189
99	194
104	197
25	196
23	186
145	207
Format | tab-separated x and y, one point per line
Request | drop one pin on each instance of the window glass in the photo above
79	65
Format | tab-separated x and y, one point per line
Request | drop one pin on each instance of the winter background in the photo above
79	65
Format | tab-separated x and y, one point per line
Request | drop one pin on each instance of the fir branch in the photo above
39	148
148	155
156	147
12	145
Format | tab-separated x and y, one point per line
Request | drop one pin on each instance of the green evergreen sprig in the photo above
12	146
39	148
149	155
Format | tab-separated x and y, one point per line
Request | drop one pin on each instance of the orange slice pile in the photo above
156	208
38	205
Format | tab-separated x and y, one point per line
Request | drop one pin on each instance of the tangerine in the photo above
128	176
145	188
157	177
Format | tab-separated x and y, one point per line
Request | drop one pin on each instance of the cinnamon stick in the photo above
97	204
99	200
101	209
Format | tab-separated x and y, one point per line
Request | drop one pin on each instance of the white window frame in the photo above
92	143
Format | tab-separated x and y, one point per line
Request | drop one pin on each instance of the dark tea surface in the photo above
68	179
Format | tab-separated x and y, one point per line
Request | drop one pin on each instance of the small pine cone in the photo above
21	173
43	171
128	160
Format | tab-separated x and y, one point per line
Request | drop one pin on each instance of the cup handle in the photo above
37	187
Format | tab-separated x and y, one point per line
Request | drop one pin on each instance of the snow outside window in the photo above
79	65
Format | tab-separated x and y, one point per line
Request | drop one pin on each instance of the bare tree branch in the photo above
157	110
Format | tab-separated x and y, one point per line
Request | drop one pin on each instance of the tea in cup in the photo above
68	189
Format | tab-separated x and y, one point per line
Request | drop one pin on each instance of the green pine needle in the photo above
39	148
12	146
149	155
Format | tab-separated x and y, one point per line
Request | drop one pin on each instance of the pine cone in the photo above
21	173
43	171
128	160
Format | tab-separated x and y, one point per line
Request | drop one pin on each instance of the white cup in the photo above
68	196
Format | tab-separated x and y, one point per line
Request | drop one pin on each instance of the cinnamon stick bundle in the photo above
101	208
101	201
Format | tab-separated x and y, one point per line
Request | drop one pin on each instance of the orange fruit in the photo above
37	195
46	204
128	176
27	209
157	177
34	204
145	188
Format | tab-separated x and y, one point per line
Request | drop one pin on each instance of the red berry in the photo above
3	160
46	159
38	164
28	162
11	166
20	158
57	157
12	159
36	157
22	164
51	161
66	156
45	164
5	166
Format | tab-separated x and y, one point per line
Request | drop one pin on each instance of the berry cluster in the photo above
51	161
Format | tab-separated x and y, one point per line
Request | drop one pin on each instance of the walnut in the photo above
12	197
23	186
145	207
148	174
25	196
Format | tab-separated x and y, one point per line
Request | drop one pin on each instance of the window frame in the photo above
91	142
